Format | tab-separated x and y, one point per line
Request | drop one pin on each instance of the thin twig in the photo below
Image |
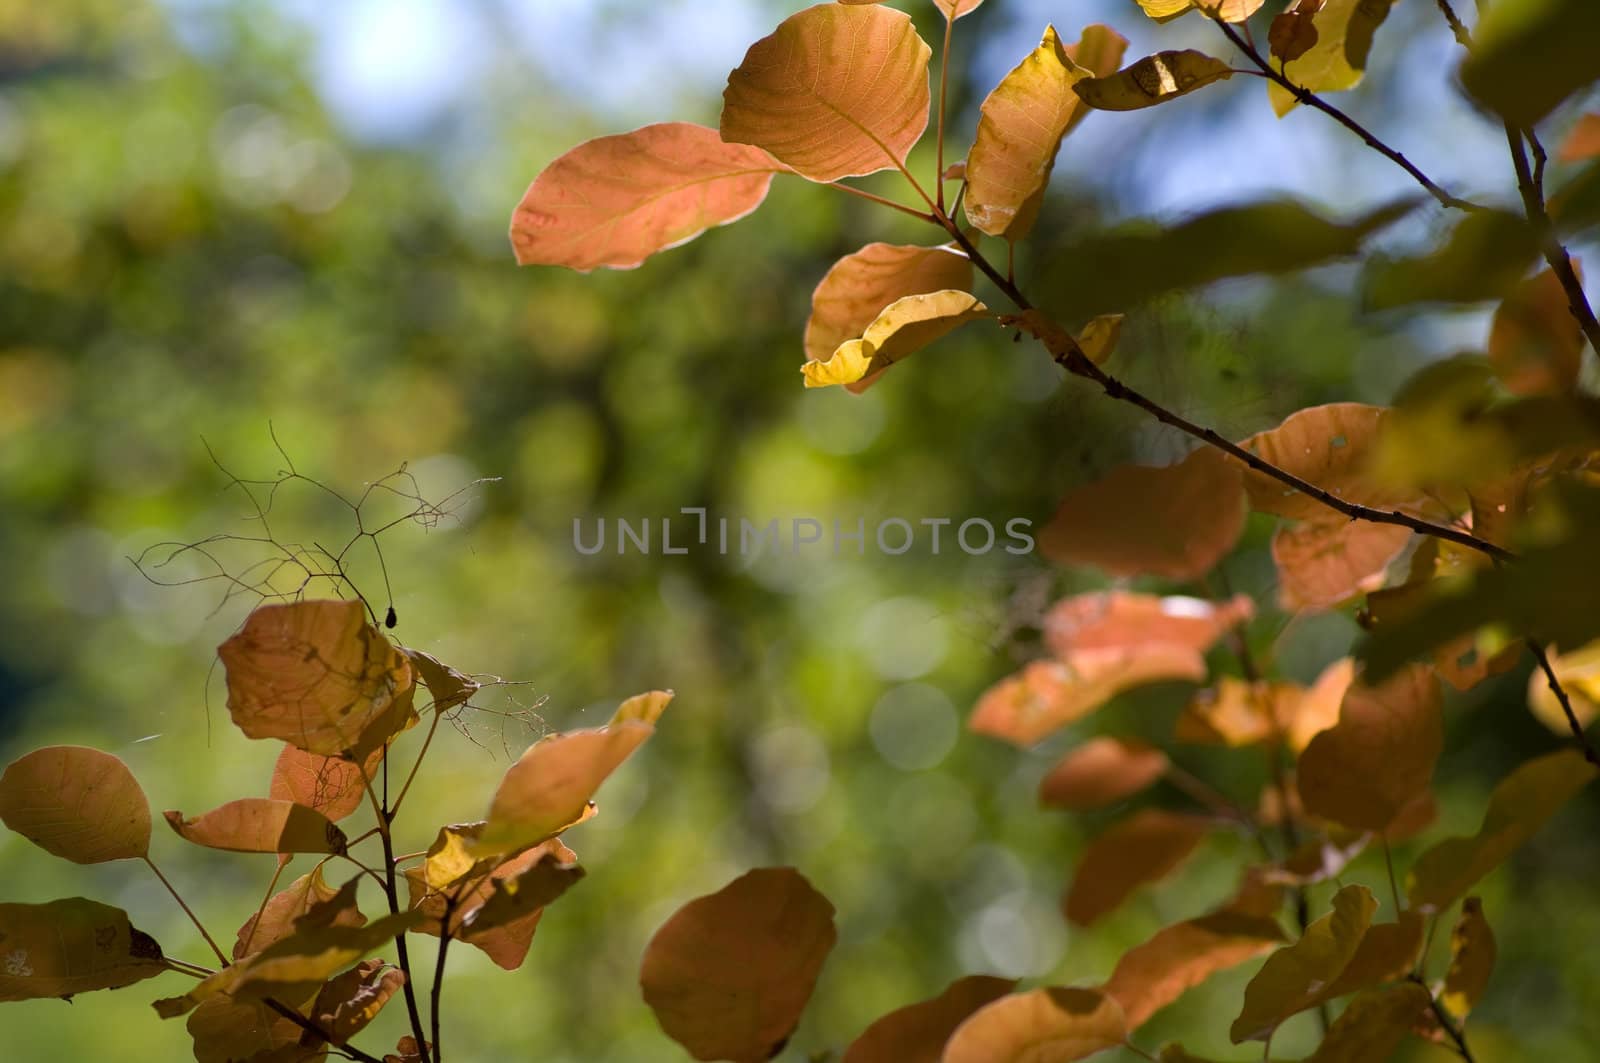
437	993
392	895
1394	885
405	788
1532	191
944	79
315	1030
1457	1035
221	957
1554	683
1456	27
1312	100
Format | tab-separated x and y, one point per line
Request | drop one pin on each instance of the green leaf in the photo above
1337	61
1529	55
1484	257
1152	80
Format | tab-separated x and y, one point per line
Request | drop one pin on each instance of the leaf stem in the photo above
255	921
883	201
426	742
437	993
944	79
1312	100
221	957
1388	865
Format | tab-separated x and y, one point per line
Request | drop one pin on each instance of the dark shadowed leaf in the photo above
71	946
260	825
1483	258
1373	1026
1535	344
277	918
1152	80
1338	58
1289	981
1529	55
917	1032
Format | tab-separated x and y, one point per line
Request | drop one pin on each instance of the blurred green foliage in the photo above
192	251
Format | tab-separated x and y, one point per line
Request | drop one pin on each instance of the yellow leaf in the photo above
1150	976
1100	772
1472	956
836	91
1047	1025
859	285
1518	807
1288	982
1166	10
1099	337
1236	712
1345	29
1578	673
1387	953
917	1033
71	946
279	915
76	803
260	825
1152	80
1373	1026
615	201
904	327
1139	850
729	974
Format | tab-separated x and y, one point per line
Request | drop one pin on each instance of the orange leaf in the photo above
1139	850
1322	564
333	786
617	200
729	974
1290	979
260	825
1584	140
1046	1025
1101	772
917	1033
76	803
1319	708
1239	713
1535	344
1150	976
1124	620
226	1031
313	674
1047	695
1176	521
952	9
835	91
1380	755
1330	446
857	288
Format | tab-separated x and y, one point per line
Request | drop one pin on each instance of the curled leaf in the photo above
76	803
858	286
903	327
1152	80
260	825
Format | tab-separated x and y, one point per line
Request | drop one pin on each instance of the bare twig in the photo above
1530	186
1554	683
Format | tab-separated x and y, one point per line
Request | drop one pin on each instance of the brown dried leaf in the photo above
917	1032
1136	851
76	803
348	1002
1323	564
1047	1025
260	825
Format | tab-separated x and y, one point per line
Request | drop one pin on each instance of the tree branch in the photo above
392	895
1573	722
312	1028
1530	186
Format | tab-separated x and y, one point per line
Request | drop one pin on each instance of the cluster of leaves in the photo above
326	682
1460	518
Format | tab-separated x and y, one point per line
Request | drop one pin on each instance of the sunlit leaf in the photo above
1290	979
917	1032
333	786
1518	807
1166	10
71	946
1020	127
1101	772
525	891
1150	976
1373	1026
314	674
1236	712
260	825
729	974
615	201
1099	335
1535	344
954	9
1323	564
1050	694
858	287
904	327
1332	447
1472	956
1379	757
1230	10
549	787
350	1001
1578	673
1052	1024
1152	80
1142	849
1483	258
1345	29
1319	708
1125	620
1174	521
835	91
76	803
1529	55
284	909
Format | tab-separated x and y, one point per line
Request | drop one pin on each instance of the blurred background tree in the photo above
217	217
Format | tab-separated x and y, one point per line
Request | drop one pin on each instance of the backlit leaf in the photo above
1166	10
615	201
858	287
76	803
1330	446
333	786
1529	55
314	674
1319	708
729	974
1047	1025
1050	694
1483	258
1174	521
954	9
350	1001
1373	1026
1518	807
904	327
1323	564
1101	772
71	946
1345	29
1379	757
1579	675
1137	851
549	787
1150	976
260	825
1290	979
1236	712
284	909
835	91
917	1032
1098	337
1125	620
1472	955
1584	140
1152	80
1020	127
1535	344
448	687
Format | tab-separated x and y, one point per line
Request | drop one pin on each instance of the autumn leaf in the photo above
1379	757
1050	694
1152	80
1101	772
1236	712
617	200
1529	55
1472	956
1387	953
1373	1026
1535	344
284	909
858	287
1583	142
1098	337
1052	1024
1142	849
1518	807
1175	521
917	1032
1578	674
1319	708
836	91
1337	61
350	1001
448	687
1129	621
1150	976
71	946
1166	10
1020	127
954	9
76	803
1290	979
1323	564
729	974
314	674
333	786
1293	32
227	1031
1484	257
1331	446
260	825
904	327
